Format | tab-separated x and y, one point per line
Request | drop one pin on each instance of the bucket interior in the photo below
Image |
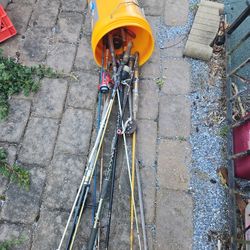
143	43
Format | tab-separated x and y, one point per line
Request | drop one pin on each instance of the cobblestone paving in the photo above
50	132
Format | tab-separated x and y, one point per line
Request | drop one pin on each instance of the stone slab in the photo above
148	100
35	45
11	231
174	158
28	202
61	56
49	100
75	132
148	178
72	5
19	15
174	116
198	51
49	230
83	92
174	82
146	141
68	26
211	4
84	57
11	158
12	128
153	8
45	13
39	140
174	229
176	12
151	69
60	191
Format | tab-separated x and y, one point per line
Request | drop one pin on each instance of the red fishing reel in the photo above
103	87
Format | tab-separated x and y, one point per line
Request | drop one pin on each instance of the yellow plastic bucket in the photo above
108	15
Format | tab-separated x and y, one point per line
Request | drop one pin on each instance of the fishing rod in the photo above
129	171
134	139
84	187
112	162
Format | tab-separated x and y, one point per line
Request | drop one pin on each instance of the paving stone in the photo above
28	202
35	45
75	132
45	13
153	8
84	56
60	191
49	101
11	157
174	116
83	93
147	144
176	52
72	5
151	69
11	231
12	128
154	22
19	14
176	12
49	230
68	26
10	48
61	56
148	100
39	140
150	232
148	177
174	227
87	27
174	158
4	3
174	82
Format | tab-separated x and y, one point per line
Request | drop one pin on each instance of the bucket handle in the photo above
120	4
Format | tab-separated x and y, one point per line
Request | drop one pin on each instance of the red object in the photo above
241	137
7	29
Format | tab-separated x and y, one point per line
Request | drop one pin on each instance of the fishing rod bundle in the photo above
118	92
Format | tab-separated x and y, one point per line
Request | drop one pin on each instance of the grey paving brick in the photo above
154	22
84	56
148	177
174	116
60	190
45	13
174	227
11	47
68	26
75	131
28	201
19	14
61	56
153	8
151	69
174	81
49	101
83	92
148	100
176	12
12	128
72	5
11	231
39	140
174	158
146	141
49	230
11	157
35	44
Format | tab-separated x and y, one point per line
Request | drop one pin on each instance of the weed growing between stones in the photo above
9	244
15	173
16	78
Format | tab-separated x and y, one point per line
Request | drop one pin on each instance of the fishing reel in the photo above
103	87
